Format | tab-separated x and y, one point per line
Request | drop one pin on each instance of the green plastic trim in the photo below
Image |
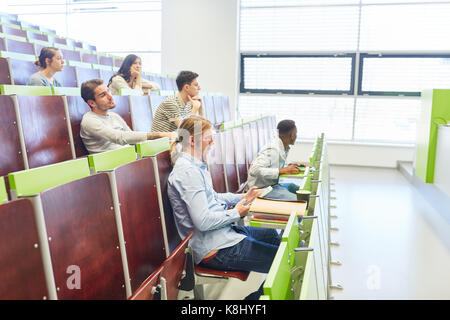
66	91
110	160
19	56
129	92
3	192
7	89
34	181
291	236
152	147
278	282
80	64
97	66
264	297
309	274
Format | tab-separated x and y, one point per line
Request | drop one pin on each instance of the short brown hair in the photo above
88	88
46	52
185	77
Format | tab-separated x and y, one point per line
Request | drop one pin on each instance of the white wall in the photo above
202	36
356	155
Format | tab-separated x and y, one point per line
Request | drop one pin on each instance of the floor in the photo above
388	246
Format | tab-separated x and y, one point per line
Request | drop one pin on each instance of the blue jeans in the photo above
254	253
283	191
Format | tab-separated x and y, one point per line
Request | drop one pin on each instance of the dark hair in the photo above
88	88
185	77
286	126
124	70
46	52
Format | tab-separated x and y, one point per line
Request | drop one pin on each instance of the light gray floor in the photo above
388	241
388	245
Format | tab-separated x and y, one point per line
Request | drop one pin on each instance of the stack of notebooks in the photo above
263	209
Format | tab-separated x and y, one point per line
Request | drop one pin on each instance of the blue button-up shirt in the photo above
197	207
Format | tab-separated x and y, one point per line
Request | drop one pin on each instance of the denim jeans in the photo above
254	253
283	191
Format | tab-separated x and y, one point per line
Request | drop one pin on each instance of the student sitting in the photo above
103	130
50	61
269	164
129	77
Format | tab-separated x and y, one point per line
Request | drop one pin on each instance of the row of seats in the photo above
41	130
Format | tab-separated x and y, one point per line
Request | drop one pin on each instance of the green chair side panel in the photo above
3	192
66	91
152	147
110	160
34	181
291	236
7	89
278	282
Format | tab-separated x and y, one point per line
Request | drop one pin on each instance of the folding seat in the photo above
168	84
74	43
77	108
156	78
13	31
55	39
12	156
26	25
45	130
141	113
218	109
155	101
105	75
230	160
216	165
10	19
22	273
5	74
118	62
19	46
22	70
240	154
151	289
37	36
67	77
71	55
85	74
2	44
226	108
72	207
89	57
106	61
123	109
208	109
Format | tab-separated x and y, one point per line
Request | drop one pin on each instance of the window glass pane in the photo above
299	29
312	115
405	27
298	73
381	120
405	74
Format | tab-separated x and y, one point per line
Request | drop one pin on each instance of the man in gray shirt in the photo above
186	102
104	130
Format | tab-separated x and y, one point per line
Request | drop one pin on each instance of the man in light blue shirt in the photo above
217	243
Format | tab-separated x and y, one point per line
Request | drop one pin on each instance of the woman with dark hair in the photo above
129	77
50	61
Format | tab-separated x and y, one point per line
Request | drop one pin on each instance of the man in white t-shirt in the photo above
104	130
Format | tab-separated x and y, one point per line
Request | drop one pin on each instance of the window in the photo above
354	69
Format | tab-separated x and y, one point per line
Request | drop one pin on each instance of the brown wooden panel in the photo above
74	43
5	76
2	44
82	231
21	269
29	25
118	62
208	108
20	46
141	113
230	161
218	108
241	275
141	219
85	74
45	130
36	36
155	101
123	108
173	268
89	57
215	165
77	108
13	31
145	290
67	77
71	55
22	70
240	153
56	39
11	158
164	169
106	61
